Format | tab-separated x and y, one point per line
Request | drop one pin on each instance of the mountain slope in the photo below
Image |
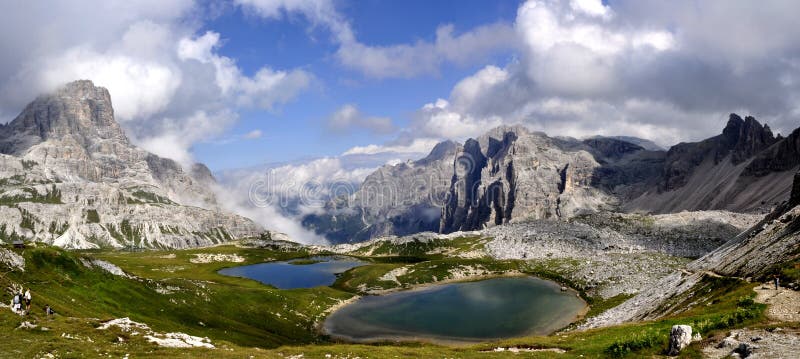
69	176
744	169
756	253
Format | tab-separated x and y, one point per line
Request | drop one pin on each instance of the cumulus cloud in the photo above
150	57
635	68
349	117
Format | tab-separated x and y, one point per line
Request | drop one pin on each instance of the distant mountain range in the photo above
69	176
512	174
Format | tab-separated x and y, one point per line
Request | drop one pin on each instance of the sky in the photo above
322	89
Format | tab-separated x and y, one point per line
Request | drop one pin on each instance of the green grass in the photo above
239	315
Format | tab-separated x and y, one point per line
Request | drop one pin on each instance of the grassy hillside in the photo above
174	291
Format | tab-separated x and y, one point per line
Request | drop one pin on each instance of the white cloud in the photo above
139	88
150	58
175	137
590	7
252	135
641	69
265	89
416	146
349	117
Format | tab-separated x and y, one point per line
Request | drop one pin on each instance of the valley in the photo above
522	244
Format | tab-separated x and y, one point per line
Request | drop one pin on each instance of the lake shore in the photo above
443	340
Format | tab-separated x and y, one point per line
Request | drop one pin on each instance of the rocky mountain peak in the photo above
745	138
78	111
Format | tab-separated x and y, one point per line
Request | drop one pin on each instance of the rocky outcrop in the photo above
512	174
784	155
794	199
744	169
739	141
69	176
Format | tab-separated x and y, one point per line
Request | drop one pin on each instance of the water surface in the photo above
459	312
297	273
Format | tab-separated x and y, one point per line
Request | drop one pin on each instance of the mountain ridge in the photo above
516	174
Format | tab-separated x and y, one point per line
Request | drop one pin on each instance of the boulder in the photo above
745	350
679	337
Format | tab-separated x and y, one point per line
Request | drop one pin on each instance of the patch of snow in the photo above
27	325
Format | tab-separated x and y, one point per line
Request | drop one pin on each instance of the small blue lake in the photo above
297	273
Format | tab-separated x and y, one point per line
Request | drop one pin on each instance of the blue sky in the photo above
325	91
239	83
298	130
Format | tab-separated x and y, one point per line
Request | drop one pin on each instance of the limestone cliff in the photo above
510	173
70	176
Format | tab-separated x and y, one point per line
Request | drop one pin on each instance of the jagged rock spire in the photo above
745	138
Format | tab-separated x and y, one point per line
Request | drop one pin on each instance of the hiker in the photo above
28	300
48	311
777	281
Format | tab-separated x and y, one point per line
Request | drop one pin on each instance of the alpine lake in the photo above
460	312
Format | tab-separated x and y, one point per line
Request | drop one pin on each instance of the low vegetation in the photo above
172	291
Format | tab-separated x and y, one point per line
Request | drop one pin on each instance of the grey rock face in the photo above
680	336
744	169
511	173
69	176
753	253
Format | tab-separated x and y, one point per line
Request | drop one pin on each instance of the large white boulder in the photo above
679	337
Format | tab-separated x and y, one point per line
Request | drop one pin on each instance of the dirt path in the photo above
783	305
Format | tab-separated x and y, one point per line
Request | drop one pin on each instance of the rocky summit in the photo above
511	174
69	176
